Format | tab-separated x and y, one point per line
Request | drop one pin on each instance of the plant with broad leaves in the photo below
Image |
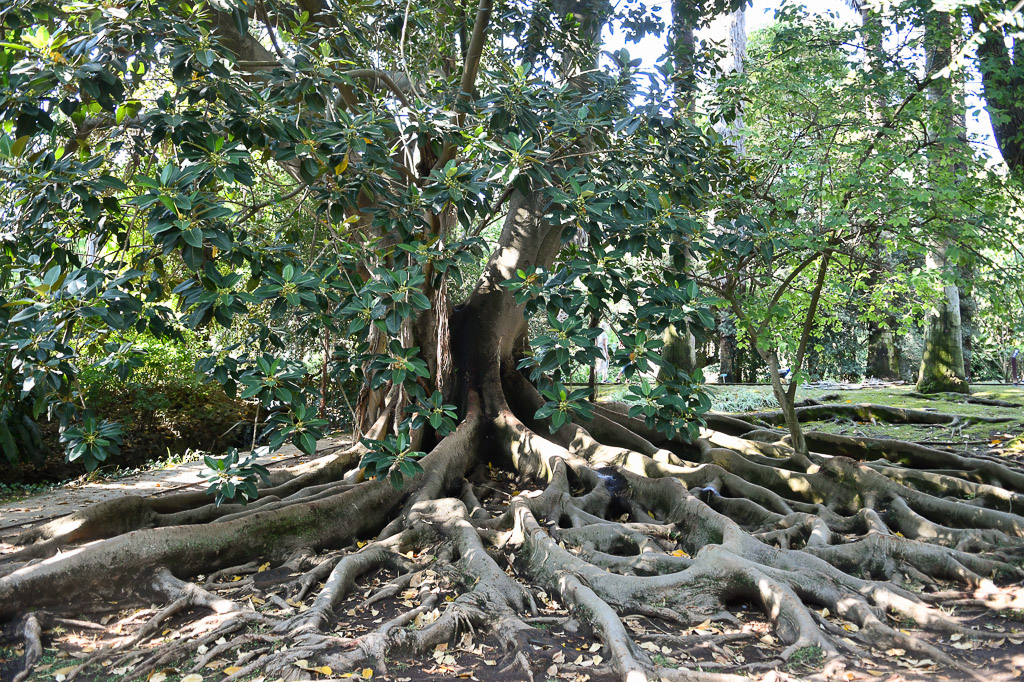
671	407
562	404
232	480
299	424
391	457
527	283
272	378
432	410
291	287
92	440
398	366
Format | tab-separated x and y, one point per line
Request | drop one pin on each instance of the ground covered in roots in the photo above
602	551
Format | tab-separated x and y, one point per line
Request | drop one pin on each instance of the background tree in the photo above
830	185
942	363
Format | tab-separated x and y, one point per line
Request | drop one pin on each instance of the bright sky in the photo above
762	13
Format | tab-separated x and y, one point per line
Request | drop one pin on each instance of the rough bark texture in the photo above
729	369
680	348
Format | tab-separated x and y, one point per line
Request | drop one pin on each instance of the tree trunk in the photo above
727	350
680	349
786	404
968	309
942	363
882	360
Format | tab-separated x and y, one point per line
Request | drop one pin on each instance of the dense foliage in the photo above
145	146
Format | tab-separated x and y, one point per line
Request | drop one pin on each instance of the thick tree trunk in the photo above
680	348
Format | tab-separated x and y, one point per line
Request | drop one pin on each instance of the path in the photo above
27	512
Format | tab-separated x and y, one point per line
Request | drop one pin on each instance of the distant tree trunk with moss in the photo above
727	366
883	361
942	362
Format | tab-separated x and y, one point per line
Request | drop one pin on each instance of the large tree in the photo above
141	142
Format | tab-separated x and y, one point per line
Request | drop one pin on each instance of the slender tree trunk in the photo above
787	405
968	308
726	349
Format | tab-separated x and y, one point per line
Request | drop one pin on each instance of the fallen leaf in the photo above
192	678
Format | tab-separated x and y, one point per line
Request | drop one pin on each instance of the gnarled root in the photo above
623	523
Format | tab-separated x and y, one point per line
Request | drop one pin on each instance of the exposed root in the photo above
624	522
33	646
867	412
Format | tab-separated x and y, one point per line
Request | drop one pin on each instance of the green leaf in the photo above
307	443
193	237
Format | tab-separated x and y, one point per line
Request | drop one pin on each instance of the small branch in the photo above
469	70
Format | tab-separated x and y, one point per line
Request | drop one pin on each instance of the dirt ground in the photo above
562	649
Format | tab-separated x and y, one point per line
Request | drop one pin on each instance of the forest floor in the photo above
564	650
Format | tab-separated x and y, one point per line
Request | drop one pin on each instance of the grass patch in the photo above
806	659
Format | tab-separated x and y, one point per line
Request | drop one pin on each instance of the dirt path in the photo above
16	516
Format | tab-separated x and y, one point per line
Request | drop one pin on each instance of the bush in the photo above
164	407
167	400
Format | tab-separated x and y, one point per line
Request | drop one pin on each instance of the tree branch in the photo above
470	69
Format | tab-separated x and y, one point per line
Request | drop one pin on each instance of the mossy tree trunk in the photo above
882	362
942	362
